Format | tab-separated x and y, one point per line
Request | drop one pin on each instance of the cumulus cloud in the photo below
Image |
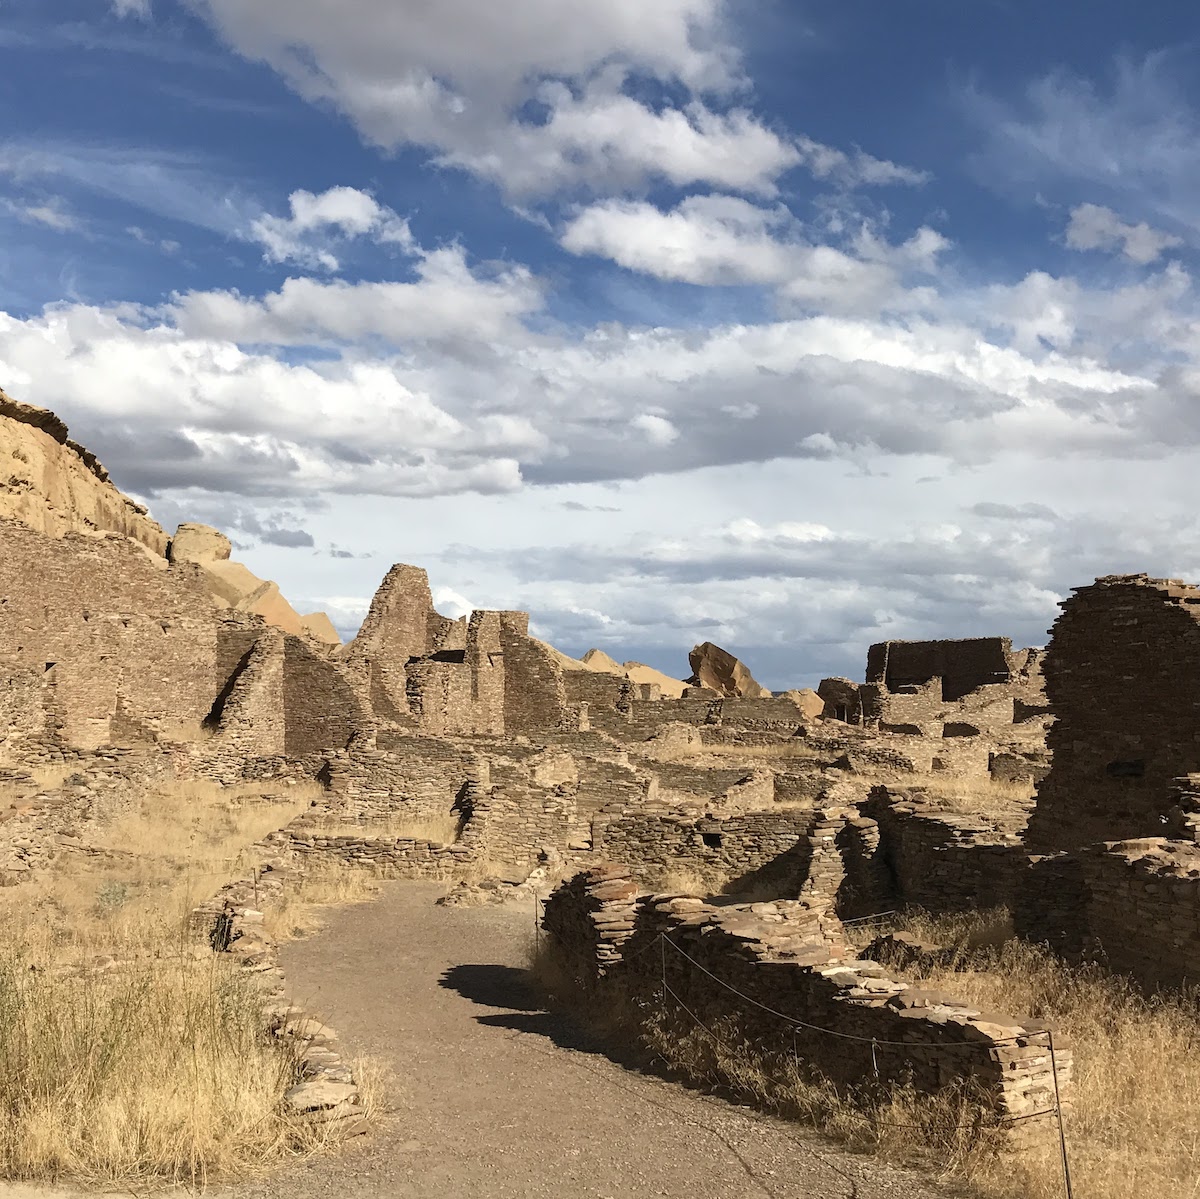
446	301
340	212
532	94
1094	227
719	239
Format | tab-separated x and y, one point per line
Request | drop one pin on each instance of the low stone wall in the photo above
781	974
231	922
906	850
1132	905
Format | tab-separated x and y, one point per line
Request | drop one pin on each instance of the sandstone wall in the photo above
1123	677
1133	905
684	961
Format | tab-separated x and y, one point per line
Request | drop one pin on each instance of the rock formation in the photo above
236	586
717	670
55	486
635	672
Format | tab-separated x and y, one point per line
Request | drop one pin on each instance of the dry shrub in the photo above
1135	1098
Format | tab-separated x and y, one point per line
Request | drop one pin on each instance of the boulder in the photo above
199	543
811	705
717	670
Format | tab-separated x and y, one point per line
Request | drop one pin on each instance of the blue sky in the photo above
789	326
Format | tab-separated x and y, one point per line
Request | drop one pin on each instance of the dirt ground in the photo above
492	1096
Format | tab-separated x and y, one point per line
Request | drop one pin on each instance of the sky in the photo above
792	326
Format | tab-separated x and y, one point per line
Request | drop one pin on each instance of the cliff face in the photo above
55	486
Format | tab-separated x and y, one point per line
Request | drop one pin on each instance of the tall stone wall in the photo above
1123	677
96	618
962	666
1133	905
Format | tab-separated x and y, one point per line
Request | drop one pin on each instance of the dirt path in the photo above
495	1097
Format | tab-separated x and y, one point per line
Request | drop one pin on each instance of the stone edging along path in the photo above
232	923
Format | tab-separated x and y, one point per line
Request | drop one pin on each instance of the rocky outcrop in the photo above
55	486
635	672
236	586
717	670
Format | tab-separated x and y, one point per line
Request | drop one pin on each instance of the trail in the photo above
492	1096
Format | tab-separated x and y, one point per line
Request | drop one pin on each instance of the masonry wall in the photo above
682	961
96	618
962	665
534	694
1133	905
904	851
1123	677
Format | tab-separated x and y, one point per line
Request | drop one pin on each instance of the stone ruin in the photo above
128	656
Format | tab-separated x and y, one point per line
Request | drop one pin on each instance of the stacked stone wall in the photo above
781	975
1133	905
1123	677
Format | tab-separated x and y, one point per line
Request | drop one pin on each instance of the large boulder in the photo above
717	670
234	585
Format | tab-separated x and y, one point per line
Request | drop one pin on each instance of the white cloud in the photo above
344	212
857	169
453	77
132	8
713	240
657	429
1094	227
53	214
446	301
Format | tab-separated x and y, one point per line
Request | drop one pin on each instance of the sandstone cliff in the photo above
55	486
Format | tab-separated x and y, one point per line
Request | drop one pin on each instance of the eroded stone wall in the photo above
1123	676
781	975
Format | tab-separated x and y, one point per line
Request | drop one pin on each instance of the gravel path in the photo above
494	1097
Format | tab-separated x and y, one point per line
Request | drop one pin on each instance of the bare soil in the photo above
493	1096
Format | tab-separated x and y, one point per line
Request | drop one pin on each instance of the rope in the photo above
881	1123
846	1036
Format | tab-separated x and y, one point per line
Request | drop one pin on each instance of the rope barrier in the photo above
1006	1121
846	1036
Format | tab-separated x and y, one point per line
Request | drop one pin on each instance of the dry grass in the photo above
1133	1114
973	793
299	911
1132	1126
149	1063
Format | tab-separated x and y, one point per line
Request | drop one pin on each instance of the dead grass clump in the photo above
687	880
299	910
1135	1107
163	1072
128	1056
